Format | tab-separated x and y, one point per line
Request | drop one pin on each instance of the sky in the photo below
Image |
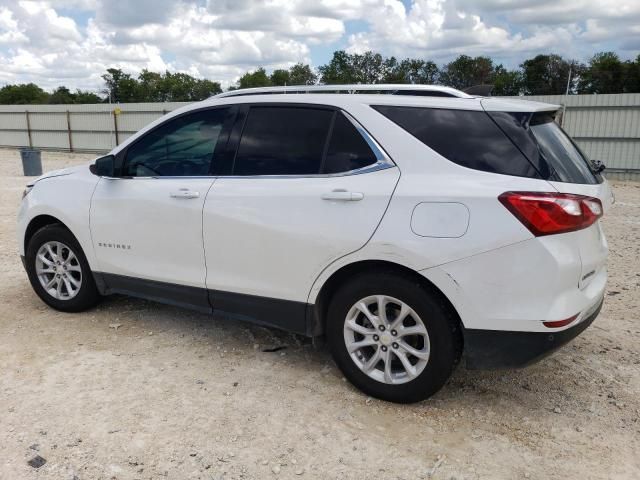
73	42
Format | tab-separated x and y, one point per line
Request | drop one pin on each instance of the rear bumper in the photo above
494	349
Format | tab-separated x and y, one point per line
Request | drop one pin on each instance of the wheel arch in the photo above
342	275
40	221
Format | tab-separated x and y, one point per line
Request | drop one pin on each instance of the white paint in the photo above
273	236
164	232
440	219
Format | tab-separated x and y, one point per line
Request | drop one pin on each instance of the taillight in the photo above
550	213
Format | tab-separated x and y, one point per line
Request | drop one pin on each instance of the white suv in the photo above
409	226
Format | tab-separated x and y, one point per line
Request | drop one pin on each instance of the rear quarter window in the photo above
469	138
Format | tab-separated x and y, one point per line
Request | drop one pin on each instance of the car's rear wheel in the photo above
393	338
58	270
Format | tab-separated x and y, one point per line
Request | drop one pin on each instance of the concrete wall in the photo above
606	127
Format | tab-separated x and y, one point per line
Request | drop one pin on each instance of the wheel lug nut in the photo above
395	345
376	338
381	328
384	349
394	333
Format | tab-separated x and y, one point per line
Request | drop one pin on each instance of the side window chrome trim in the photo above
368	169
374	167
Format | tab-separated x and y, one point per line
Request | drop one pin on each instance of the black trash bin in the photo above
31	162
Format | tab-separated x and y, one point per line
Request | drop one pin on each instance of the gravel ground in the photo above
137	390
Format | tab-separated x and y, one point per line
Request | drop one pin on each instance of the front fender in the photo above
66	198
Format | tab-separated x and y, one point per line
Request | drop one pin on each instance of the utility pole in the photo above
568	81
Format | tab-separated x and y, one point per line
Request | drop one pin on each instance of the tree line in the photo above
549	74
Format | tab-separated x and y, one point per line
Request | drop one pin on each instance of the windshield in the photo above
562	155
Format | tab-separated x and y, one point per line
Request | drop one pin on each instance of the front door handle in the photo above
185	193
343	196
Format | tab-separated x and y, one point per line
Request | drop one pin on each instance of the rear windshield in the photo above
469	138
547	146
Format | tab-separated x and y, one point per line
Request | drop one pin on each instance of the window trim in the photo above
383	160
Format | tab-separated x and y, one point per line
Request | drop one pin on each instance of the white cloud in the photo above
73	42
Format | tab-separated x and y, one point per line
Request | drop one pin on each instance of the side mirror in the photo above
104	166
597	166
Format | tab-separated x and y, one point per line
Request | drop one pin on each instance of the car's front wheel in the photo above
392	338
58	270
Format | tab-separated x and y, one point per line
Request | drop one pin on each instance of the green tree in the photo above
257	78
302	74
391	72
507	82
280	77
339	70
411	70
23	94
84	96
150	87
61	95
204	89
121	87
604	74
369	67
632	76
356	68
178	86
546	74
466	71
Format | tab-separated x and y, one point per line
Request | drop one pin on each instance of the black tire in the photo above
441	324
87	296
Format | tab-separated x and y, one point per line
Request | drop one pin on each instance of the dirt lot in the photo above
174	394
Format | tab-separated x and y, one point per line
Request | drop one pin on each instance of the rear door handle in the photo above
343	196
185	193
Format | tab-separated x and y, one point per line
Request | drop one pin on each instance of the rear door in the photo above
306	185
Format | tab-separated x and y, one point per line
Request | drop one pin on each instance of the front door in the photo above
146	224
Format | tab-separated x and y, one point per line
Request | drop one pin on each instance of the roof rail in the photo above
389	89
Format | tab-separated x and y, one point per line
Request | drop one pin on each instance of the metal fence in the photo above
76	128
606	127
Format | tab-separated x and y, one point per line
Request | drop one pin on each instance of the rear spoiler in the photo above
479	90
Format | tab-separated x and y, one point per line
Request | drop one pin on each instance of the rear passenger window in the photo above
282	141
468	138
348	150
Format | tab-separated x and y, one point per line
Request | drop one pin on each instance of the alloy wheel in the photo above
58	270
386	339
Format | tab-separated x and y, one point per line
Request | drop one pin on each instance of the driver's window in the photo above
181	147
